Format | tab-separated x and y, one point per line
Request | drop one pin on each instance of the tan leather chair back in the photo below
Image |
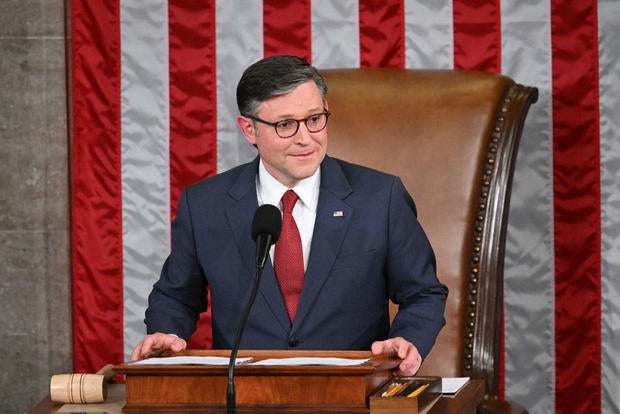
452	137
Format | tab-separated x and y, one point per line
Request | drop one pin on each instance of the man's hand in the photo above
155	344
405	350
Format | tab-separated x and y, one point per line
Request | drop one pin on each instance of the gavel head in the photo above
78	388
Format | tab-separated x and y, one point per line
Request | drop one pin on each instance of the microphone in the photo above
266	227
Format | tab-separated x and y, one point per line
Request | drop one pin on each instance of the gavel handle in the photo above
108	372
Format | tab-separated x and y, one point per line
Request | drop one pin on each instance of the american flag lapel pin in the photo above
338	213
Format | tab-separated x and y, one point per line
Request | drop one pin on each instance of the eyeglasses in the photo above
286	128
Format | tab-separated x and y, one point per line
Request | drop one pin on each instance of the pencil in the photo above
417	391
393	389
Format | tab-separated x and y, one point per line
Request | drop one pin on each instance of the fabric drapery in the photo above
153	100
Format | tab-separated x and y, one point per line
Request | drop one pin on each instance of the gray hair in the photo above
274	76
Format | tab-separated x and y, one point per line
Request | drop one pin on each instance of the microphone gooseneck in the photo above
266	227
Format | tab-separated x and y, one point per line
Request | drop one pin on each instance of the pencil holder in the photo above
405	394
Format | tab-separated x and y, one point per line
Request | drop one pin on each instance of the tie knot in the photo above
288	201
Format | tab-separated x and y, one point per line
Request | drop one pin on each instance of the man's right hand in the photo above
154	344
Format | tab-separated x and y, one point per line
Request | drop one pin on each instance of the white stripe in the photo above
239	43
335	34
609	87
529	277
429	39
144	164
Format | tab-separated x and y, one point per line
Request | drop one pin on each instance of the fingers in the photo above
391	347
377	347
137	351
155	344
403	349
410	363
178	344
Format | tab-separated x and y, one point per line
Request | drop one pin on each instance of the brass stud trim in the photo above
479	229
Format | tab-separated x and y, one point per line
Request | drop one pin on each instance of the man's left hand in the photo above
403	349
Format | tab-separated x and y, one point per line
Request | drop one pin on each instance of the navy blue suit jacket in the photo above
372	249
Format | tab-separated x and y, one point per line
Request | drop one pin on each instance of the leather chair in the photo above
452	136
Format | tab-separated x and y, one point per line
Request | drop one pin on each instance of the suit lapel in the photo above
332	220
240	220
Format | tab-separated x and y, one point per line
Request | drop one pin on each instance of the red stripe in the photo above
576	183
287	28
382	33
96	221
193	118
477	35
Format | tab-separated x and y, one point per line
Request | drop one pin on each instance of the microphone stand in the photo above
230	390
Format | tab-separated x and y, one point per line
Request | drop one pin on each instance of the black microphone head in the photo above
267	220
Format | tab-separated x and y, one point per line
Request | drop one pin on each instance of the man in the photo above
360	240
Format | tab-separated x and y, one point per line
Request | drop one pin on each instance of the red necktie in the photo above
289	259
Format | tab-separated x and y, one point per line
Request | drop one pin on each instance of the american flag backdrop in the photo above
153	110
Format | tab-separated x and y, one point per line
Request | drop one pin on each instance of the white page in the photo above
452	385
340	362
189	360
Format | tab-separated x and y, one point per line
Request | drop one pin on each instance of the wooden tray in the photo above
406	394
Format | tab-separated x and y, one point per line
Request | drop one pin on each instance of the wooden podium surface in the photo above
269	389
278	388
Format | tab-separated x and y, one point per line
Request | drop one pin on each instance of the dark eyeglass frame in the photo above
296	121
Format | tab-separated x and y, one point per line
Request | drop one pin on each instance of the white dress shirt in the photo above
270	191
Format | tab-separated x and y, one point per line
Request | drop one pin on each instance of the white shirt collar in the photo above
270	190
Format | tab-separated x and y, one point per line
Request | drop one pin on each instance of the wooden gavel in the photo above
81	388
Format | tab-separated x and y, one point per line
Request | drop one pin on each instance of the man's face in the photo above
288	160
